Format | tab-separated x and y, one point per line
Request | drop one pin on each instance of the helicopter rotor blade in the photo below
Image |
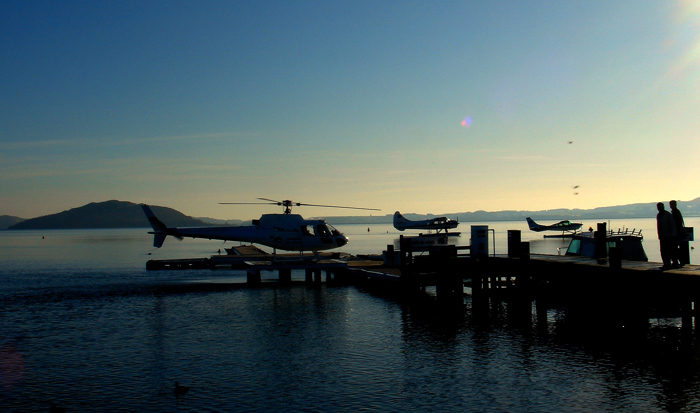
271	200
286	202
289	204
244	203
338	206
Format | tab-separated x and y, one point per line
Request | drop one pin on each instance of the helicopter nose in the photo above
341	241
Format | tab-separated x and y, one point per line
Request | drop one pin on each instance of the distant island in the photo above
122	214
109	214
7	221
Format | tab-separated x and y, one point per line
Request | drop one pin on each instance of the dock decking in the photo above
632	289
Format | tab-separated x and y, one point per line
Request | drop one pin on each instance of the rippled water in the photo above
85	326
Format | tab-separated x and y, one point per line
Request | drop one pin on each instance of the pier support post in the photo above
309	275
525	250
409	280
477	279
684	252
254	276
406	259
514	243
285	275
615	258
449	281
317	276
601	236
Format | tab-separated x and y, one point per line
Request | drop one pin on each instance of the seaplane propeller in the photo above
287	205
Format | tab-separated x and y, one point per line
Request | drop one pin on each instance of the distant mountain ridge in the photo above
7	221
639	210
121	214
108	214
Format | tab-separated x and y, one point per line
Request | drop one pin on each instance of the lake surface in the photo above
85	326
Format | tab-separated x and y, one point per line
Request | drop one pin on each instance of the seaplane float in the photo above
439	225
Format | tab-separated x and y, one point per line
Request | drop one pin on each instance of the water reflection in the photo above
512	356
83	331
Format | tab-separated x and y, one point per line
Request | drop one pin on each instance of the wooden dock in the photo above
238	258
635	291
623	292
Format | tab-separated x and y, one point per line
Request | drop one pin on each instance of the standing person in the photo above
680	257
666	229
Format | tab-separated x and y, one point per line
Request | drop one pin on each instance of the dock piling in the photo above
514	243
309	275
254	277
600	242
285	275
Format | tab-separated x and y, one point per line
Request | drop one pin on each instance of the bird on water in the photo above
56	409
180	390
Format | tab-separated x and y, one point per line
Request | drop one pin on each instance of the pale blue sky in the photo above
188	104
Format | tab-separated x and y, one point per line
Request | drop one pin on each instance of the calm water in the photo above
83	326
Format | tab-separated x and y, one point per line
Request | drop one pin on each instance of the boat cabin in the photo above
629	243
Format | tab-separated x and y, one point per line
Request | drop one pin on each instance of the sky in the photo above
422	107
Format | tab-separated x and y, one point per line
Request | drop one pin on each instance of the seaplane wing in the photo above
565	226
288	232
441	223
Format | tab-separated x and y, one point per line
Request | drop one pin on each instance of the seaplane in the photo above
566	227
286	231
437	224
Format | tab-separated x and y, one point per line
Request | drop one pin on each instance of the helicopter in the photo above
286	231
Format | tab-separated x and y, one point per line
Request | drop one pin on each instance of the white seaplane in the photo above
438	224
286	231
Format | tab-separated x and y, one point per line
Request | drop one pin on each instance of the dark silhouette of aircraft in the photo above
564	226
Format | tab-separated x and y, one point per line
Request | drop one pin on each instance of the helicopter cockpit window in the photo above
334	231
323	231
308	230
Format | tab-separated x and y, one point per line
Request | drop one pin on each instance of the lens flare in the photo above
687	41
467	121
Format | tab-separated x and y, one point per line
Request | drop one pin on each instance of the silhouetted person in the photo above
680	256
666	229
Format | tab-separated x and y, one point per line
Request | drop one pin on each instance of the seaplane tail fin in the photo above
532	224
399	221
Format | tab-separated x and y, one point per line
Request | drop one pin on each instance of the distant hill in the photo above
226	222
8	221
640	210
109	214
120	214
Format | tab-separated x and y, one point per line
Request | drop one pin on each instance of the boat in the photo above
629	244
